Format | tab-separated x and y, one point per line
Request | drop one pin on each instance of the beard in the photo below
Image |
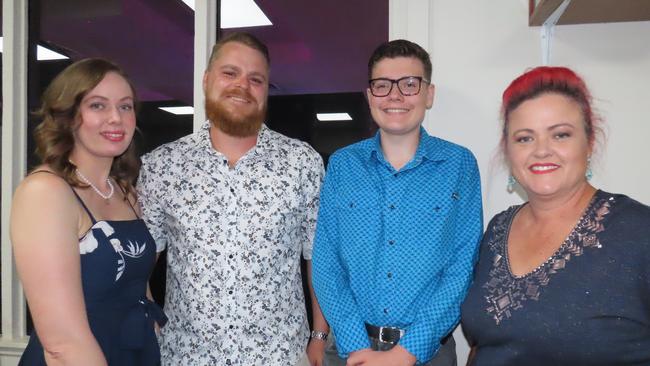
232	121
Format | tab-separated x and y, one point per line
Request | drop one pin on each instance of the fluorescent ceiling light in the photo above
239	14
178	110
42	53
242	13
333	117
189	3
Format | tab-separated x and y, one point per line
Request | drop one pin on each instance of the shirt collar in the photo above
429	148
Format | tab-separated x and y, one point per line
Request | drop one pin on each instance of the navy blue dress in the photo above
117	258
588	304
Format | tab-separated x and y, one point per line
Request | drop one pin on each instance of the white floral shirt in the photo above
234	238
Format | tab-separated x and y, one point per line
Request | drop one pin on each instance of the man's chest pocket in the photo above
431	210
357	212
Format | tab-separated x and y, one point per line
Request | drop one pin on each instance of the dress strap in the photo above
129	201
92	218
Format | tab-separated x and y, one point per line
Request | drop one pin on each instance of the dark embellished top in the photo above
588	304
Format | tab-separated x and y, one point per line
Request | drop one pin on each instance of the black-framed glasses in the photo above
407	86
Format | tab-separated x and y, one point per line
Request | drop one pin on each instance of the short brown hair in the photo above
401	48
54	136
243	38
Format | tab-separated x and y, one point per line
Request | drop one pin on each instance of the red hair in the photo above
549	79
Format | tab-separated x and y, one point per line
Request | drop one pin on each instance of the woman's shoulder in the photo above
43	197
504	217
627	210
624	220
42	181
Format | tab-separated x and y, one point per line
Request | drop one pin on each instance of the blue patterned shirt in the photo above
397	248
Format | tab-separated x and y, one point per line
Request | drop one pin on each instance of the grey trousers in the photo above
445	357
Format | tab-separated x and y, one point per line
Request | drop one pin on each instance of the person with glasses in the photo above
398	228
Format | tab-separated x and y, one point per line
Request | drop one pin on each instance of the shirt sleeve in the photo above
311	182
329	276
442	313
150	192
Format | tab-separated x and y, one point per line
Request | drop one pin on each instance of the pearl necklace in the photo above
88	182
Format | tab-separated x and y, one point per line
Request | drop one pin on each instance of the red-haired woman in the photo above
562	279
82	252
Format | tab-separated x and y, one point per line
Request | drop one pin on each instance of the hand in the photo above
397	356
316	351
358	357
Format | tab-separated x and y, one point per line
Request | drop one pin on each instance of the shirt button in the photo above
390	274
232	190
391	206
230	292
231	326
228	361
385	310
231	256
391	242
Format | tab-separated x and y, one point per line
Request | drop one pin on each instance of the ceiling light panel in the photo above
333	117
179	110
242	13
239	14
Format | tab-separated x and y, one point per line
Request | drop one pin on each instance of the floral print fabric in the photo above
133	249
234	237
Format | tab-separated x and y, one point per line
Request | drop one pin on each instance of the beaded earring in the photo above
510	187
589	173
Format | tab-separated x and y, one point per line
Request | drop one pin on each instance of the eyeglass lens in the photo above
407	86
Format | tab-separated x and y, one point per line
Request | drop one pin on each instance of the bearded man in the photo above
235	204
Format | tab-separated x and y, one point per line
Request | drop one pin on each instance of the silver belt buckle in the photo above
384	340
381	335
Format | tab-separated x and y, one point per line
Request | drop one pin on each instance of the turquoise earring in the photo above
510	187
589	173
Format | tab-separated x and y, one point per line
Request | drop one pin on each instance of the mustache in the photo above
237	92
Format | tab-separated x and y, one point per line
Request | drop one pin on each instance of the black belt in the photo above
384	334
